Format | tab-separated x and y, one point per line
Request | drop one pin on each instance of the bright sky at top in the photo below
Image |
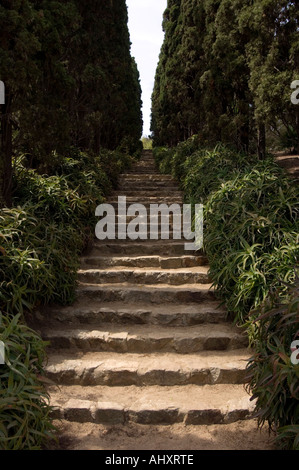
145	25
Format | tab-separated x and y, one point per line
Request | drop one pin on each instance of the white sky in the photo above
145	25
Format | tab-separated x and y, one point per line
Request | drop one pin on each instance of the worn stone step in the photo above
143	220
170	262
148	170
140	247
197	275
149	192
164	369
147	199
158	200
146	177
155	294
190	404
146	338
88	313
146	226
163	186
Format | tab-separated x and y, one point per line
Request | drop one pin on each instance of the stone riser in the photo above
141	193
98	342
148	202
143	177
137	294
113	408
145	262
139	315
128	377
150	277
149	186
148	170
140	248
166	416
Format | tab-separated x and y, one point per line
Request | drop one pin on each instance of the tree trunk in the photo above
244	138
6	152
261	141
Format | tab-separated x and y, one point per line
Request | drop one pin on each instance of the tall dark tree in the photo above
18	70
272	53
107	97
70	80
225	71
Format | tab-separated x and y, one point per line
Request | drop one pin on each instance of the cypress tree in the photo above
224	73
70	80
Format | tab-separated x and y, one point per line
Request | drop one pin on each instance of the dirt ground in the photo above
289	162
242	435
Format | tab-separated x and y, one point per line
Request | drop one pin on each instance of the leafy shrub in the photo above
251	219
252	235
41	239
274	379
38	261
24	404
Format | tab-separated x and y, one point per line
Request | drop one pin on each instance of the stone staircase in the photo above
146	341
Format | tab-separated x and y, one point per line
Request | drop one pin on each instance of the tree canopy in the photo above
225	71
70	80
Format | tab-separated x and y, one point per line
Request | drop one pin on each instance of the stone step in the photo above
146	338
145	220
140	247
163	186
144	226
155	294
88	313
149	192
145	261
179	276
143	177
143	170
190	404
141	233
164	369
146	168
145	234
168	201
143	165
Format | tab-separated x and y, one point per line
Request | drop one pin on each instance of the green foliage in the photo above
274	379
53	221
251	219
24	404
147	143
225	71
70	81
38	261
255	218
